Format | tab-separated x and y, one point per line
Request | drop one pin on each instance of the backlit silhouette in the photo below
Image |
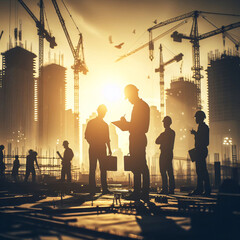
97	135
138	127
201	144
166	141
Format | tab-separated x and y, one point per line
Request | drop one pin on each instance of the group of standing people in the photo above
97	135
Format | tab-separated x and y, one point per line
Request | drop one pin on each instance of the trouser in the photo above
28	171
202	172
166	168
137	149
66	170
93	157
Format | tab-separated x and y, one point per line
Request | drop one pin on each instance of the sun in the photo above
112	93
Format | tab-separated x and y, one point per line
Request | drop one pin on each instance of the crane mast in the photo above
161	70
79	64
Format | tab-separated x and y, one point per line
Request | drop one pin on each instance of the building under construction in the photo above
17	124
224	104
181	105
51	105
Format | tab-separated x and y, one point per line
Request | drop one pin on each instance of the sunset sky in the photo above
97	20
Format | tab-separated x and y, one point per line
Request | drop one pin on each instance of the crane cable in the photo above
71	17
45	14
214	24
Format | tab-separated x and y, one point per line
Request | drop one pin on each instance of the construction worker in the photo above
66	162
31	158
97	135
16	166
138	127
201	144
2	164
166	140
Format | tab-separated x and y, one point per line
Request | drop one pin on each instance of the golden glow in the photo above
111	93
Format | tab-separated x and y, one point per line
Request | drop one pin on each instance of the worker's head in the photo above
199	116
167	121
102	110
131	93
65	144
30	151
2	147
16	157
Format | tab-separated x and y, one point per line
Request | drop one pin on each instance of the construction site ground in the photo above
67	211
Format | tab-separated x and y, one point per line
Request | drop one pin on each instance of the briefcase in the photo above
128	163
193	154
111	163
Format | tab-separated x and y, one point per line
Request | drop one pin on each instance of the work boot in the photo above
207	194
171	191
133	196
145	197
106	191
195	192
164	191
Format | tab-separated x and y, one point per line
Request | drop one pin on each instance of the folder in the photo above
121	124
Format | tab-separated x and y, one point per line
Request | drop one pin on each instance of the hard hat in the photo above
129	89
30	151
65	142
200	114
102	108
167	119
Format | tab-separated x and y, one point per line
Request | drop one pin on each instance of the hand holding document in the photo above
123	124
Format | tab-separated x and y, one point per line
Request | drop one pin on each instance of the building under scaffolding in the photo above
181	105
17	126
51	106
224	104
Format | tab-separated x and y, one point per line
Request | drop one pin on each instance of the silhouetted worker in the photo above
97	135
166	141
16	166
66	162
201	144
31	158
138	127
2	164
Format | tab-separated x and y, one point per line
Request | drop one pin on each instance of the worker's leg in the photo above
92	169
171	178
102	163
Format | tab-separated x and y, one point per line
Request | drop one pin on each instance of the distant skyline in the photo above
97	20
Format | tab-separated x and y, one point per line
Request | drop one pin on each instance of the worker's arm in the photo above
109	149
108	141
37	163
159	139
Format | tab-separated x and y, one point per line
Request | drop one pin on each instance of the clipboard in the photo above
121	125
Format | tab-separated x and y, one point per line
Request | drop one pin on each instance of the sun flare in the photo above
112	93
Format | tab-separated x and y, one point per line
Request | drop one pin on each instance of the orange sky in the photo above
97	19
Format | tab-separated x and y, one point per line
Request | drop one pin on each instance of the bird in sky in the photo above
119	46
134	31
110	39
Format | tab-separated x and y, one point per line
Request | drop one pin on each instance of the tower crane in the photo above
194	39
78	66
42	32
161	70
1	34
